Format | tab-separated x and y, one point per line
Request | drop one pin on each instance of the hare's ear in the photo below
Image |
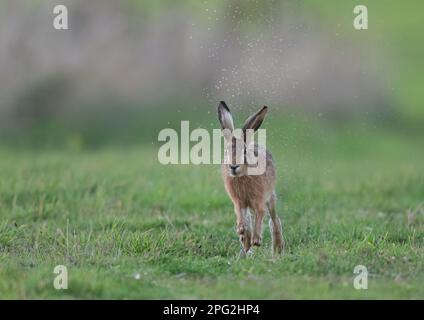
255	120
225	117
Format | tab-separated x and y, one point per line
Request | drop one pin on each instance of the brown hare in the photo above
254	193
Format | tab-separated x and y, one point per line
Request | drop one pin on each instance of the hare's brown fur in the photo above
252	193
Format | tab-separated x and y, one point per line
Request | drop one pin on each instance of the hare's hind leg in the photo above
243	227
275	226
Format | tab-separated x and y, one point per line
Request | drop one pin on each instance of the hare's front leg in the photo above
243	227
257	232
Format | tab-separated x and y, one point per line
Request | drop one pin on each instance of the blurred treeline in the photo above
128	68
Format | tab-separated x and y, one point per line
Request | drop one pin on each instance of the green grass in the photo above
347	196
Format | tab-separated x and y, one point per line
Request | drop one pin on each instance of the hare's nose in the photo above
234	167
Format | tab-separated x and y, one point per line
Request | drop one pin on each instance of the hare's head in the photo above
236	149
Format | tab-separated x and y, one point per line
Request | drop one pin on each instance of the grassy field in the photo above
127	227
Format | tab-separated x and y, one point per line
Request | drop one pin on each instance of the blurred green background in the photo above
127	68
80	113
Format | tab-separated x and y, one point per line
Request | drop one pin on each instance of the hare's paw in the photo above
240	229
245	240
257	240
278	246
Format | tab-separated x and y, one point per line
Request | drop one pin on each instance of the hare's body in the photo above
252	194
250	191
